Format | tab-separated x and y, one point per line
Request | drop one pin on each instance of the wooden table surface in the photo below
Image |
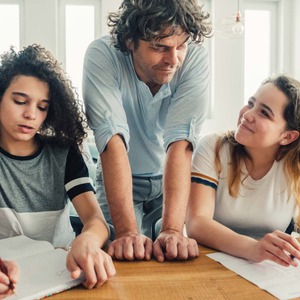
200	278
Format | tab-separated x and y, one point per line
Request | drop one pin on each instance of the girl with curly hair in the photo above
41	166
245	184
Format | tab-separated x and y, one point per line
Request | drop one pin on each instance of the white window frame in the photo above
20	3
271	6
62	21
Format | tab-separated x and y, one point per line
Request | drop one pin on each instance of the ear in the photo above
129	45
288	137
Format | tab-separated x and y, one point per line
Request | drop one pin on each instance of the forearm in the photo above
212	234
118	186
176	185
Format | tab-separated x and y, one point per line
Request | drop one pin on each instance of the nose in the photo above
172	57
30	113
249	115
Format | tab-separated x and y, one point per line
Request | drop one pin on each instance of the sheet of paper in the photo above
281	282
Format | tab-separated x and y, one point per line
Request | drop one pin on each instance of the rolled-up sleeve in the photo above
102	96
189	103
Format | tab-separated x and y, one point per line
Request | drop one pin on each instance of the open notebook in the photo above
43	268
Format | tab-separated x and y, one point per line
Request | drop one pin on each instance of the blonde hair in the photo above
290	154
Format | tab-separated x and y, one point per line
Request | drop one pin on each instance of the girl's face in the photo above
261	123
23	109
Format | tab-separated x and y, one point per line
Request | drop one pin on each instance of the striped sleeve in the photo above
205	180
203	165
77	180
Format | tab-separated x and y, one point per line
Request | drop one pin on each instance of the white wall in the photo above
227	71
295	38
39	24
108	6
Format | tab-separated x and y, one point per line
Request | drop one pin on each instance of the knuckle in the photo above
108	258
91	283
268	236
128	256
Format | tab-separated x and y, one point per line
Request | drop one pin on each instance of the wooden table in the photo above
201	278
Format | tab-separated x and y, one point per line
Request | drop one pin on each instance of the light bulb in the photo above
237	28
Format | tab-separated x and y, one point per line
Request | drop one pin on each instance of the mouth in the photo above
167	68
245	127
169	71
25	128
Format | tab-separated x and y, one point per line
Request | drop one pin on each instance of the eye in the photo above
265	113
19	102
159	49
41	108
250	103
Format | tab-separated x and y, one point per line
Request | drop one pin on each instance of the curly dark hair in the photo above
65	123
156	19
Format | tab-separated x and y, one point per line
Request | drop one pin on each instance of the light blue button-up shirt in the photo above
117	102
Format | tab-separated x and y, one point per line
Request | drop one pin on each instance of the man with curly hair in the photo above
146	89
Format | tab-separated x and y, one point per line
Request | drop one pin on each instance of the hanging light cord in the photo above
238	14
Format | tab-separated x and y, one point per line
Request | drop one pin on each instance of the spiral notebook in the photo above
42	267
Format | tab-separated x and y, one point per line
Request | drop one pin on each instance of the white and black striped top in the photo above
35	192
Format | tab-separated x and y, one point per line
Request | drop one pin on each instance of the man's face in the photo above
156	62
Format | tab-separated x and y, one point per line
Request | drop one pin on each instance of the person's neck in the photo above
260	164
154	88
20	148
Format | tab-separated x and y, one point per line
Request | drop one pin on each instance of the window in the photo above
80	26
9	18
78	36
260	44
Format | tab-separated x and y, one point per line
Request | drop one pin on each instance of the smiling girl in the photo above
41	166
245	184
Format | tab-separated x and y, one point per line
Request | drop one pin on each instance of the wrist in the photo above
126	232
170	230
248	249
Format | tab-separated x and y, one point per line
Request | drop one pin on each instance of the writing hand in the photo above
7	281
85	255
278	247
131	246
171	244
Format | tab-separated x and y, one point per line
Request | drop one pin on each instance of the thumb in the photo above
73	267
13	271
158	252
111	250
76	273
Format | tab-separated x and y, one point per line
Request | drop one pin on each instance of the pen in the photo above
4	270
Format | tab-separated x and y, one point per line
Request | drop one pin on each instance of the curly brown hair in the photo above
148	20
65	123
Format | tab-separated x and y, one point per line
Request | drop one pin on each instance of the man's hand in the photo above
172	245
131	246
